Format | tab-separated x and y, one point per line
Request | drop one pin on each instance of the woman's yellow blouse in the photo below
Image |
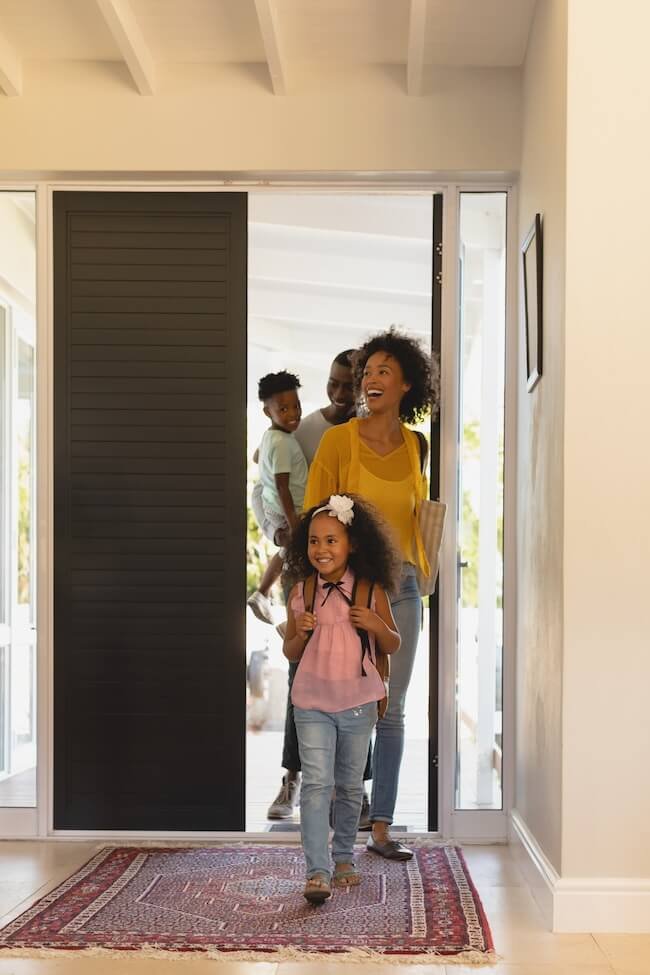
393	483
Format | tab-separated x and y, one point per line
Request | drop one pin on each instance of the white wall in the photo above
87	116
606	778
538	786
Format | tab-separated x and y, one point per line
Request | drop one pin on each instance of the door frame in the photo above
465	826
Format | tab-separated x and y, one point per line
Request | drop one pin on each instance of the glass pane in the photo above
4	478
17	500
479	678
5	546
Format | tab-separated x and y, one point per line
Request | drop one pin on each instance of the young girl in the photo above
344	547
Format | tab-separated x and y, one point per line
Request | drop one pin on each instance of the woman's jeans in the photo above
333	751
389	740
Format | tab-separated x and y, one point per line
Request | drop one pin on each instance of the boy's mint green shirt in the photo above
280	453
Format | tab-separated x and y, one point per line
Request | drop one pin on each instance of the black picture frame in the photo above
532	262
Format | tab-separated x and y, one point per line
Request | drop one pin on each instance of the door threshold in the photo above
181	839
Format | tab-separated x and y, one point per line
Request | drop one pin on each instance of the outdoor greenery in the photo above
24	530
469	542
258	552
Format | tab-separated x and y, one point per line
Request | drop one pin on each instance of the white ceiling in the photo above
477	33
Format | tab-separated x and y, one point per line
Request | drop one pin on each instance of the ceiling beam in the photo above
130	40
11	69
415	58
267	16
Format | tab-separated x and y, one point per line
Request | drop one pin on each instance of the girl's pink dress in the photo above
329	675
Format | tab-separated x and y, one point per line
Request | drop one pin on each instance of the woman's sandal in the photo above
317	889
346	875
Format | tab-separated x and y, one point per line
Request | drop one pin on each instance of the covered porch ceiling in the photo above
286	42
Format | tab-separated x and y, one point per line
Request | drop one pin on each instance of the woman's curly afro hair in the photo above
373	554
420	369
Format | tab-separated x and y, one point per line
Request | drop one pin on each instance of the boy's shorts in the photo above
269	520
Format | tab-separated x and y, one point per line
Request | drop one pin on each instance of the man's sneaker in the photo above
286	800
364	818
261	606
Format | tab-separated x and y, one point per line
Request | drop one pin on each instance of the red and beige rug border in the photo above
429	955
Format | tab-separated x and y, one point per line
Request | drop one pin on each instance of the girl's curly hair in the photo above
420	369
374	556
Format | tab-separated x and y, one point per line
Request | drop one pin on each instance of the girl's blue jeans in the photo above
389	741
333	752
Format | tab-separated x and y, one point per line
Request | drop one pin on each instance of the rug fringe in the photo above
354	955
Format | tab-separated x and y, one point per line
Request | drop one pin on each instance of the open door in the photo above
149	658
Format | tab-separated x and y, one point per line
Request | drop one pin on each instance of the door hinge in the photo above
439	277
434	761
439	248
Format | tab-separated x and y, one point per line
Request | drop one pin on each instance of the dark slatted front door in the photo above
150	406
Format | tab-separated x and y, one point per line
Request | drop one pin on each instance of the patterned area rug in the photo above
246	900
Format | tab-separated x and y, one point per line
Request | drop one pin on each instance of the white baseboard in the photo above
619	905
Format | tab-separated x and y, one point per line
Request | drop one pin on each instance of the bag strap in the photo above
308	597
309	592
422	562
424	449
362	591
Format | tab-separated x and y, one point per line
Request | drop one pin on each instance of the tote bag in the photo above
431	522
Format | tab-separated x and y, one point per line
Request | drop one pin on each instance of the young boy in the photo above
283	471
341	406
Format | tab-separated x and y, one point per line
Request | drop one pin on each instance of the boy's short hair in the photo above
276	382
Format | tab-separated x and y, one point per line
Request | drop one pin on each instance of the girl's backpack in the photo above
362	590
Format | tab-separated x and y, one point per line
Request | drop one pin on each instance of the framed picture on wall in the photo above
532	266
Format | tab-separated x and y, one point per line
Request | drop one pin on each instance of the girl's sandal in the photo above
317	889
346	875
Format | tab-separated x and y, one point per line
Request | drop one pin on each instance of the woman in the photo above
378	458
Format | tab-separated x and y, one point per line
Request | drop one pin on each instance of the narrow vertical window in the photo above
17	501
479	670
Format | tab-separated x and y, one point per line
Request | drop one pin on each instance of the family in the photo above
338	493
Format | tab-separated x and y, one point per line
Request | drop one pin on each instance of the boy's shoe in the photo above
261	606
286	800
364	818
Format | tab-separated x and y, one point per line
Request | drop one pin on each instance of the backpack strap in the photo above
309	592
309	596
362	591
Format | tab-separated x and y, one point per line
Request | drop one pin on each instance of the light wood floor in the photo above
29	869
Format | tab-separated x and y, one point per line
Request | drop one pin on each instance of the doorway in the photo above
326	271
351	295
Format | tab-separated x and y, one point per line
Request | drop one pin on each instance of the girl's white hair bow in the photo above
339	506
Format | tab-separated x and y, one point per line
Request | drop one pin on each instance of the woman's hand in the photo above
305	623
